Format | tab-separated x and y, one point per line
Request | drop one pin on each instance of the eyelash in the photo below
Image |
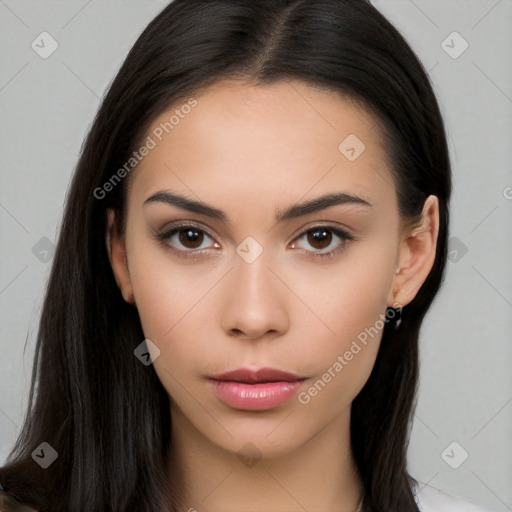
164	235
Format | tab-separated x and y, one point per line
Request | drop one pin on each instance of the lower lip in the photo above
254	397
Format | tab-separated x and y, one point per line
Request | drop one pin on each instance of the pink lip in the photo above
255	389
257	376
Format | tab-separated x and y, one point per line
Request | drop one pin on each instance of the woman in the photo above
255	230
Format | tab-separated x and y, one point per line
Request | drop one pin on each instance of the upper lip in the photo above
257	376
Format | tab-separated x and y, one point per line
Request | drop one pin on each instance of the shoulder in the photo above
430	499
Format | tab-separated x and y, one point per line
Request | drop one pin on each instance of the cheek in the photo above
350	295
175	303
351	302
165	309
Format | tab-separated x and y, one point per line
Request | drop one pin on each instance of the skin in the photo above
251	150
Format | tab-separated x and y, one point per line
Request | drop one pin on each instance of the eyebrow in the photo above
298	210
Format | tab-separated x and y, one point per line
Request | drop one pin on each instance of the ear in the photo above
416	255
117	255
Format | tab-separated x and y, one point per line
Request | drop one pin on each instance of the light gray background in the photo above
466	384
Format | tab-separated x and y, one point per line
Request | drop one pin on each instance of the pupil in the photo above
189	236
321	236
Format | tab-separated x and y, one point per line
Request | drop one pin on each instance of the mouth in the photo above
260	376
255	390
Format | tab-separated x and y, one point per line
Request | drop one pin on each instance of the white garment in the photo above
430	499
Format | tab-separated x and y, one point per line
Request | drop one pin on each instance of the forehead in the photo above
283	140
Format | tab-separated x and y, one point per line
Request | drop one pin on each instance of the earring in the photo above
396	314
398	321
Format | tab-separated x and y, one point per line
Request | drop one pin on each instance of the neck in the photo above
319	475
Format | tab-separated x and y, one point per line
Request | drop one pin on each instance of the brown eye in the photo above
191	238
187	241
319	238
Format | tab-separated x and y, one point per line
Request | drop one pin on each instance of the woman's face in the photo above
267	282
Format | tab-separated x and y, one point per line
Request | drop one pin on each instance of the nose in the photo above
255	300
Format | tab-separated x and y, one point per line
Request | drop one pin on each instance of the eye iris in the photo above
190	236
320	235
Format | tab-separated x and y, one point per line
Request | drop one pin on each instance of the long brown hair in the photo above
107	415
